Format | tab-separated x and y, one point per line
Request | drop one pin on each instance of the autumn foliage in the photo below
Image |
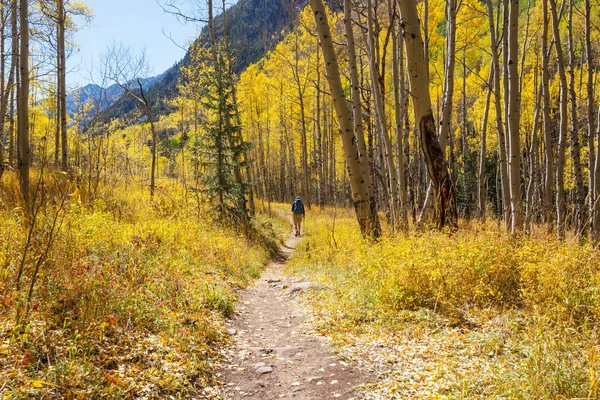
526	309
130	299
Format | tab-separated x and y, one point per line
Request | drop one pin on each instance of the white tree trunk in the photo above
514	162
561	209
363	205
437	167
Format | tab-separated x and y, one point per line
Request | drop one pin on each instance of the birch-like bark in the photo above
481	186
448	104
364	206
7	90
548	145
532	156
498	106
561	209
357	113
387	150
575	149
591	121
437	168
398	80
514	114
62	84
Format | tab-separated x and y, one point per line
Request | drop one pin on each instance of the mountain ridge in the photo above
254	27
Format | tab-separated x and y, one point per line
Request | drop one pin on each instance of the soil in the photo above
275	353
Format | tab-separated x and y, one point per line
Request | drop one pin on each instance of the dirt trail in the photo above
275	355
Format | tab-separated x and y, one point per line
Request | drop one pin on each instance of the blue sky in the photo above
136	23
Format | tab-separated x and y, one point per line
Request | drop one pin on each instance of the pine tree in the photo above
220	143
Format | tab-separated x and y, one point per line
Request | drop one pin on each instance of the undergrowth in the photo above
130	299
527	307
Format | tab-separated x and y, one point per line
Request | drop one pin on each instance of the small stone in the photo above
301	287
231	331
264	370
258	365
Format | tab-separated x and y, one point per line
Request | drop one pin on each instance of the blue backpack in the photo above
298	207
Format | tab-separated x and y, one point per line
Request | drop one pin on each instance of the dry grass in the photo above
129	301
472	314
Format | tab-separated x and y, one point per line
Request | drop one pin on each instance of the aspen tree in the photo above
357	110
589	59
481	184
437	168
23	106
62	86
505	188
363	205
561	208
388	154
575	149
514	115
548	145
399	110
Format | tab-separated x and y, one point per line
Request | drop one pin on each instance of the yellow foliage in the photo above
133	293
475	277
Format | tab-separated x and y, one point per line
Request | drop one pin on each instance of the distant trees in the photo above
127	69
505	122
511	146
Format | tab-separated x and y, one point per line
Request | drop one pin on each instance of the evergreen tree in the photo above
221	143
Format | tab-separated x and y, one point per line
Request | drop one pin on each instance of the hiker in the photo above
299	214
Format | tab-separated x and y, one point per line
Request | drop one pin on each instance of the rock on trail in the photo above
275	355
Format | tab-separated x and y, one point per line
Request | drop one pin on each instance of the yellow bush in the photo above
130	300
547	289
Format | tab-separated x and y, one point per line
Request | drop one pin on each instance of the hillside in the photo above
255	27
110	98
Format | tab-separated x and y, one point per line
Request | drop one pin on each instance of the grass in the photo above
500	317
130	300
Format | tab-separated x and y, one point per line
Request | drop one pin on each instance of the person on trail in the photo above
299	214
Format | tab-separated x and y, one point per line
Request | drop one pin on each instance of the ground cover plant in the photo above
473	313
128	301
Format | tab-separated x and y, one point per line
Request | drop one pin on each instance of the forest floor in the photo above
276	353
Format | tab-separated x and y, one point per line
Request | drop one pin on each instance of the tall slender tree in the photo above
561	208
444	190
363	204
23	106
514	115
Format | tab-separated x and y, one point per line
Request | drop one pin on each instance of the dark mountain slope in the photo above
255	27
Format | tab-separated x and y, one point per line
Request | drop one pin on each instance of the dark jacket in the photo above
298	206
